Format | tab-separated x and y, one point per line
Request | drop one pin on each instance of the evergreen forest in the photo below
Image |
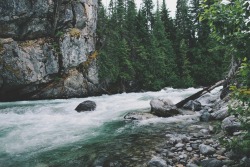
146	49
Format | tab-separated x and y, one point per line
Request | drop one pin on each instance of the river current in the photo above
48	133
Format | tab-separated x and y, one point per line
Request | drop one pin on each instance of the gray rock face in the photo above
26	19
163	108
206	150
86	106
44	64
193	105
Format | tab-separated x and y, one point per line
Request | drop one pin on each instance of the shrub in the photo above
74	32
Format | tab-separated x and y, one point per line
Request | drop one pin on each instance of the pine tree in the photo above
130	28
186	79
141	59
182	20
168	22
165	56
101	30
148	11
203	55
183	36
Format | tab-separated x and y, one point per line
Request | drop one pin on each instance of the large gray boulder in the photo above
220	114
46	49
163	107
86	106
230	125
193	105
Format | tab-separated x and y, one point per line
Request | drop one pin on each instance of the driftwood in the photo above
199	94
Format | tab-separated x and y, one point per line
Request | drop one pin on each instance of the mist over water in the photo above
51	132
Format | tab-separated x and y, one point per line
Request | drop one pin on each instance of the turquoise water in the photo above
50	133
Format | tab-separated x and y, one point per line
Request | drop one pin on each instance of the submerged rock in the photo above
163	108
86	106
193	105
138	116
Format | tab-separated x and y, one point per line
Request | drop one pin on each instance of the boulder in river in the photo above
163	108
86	106
193	105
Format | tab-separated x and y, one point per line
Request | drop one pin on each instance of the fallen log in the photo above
199	94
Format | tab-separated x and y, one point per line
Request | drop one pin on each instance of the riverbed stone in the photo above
189	149
211	163
86	106
195	146
206	150
157	162
179	145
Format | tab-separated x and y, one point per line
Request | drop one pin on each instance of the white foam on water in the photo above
33	126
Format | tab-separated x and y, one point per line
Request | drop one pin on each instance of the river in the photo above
48	133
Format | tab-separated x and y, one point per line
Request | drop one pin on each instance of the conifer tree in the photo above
168	22
165	54
185	77
141	61
148	11
183	36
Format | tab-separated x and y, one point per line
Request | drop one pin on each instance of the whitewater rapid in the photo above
30	127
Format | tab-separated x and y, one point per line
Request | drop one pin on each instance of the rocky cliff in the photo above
47	49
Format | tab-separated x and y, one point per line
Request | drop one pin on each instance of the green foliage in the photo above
185	78
241	108
59	34
230	26
151	50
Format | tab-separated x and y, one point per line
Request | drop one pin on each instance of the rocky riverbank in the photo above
199	145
